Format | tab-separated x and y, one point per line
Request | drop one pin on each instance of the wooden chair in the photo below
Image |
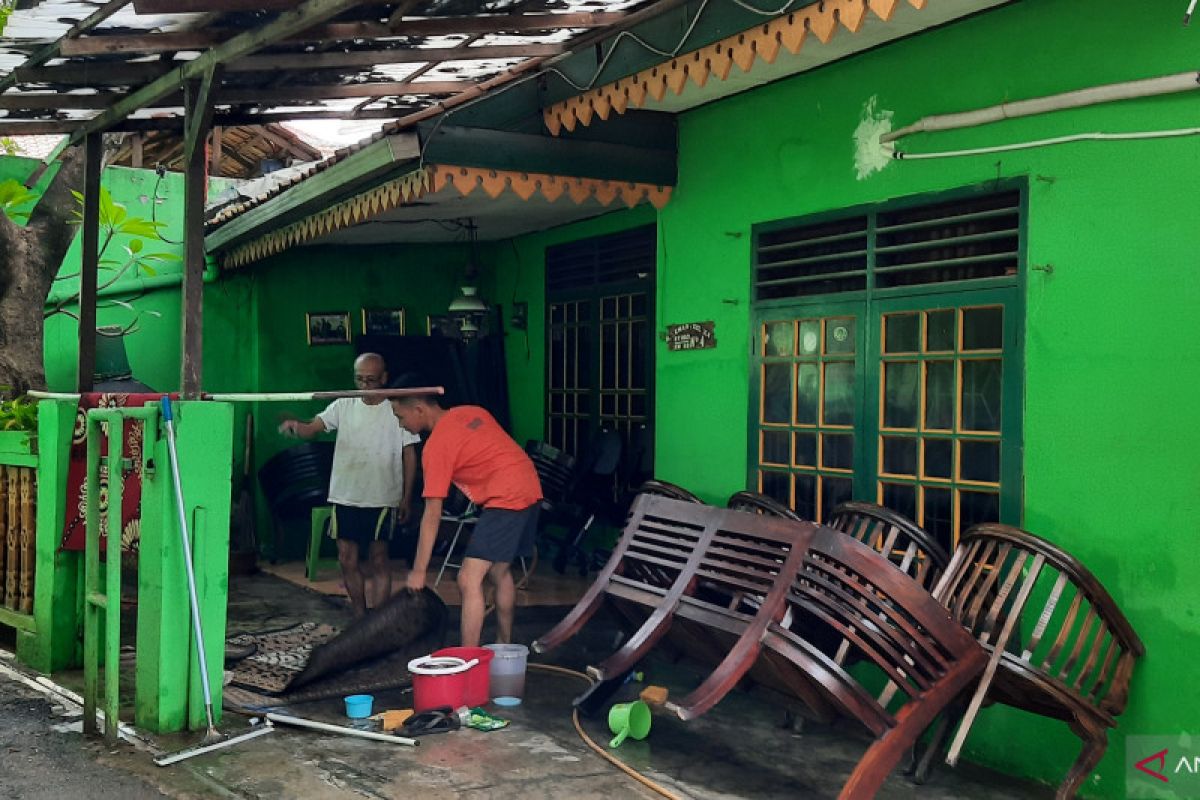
908	546
757	503
652	565
1058	645
890	621
663	489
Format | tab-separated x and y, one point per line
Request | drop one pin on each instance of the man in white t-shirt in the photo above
374	465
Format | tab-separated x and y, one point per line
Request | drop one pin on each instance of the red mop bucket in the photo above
439	681
478	676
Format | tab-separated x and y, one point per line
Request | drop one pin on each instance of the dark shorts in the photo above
361	525
502	536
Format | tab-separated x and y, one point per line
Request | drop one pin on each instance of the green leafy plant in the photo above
14	195
115	220
18	414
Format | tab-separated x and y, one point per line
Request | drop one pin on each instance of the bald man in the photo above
374	464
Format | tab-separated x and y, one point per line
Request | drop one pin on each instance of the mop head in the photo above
383	633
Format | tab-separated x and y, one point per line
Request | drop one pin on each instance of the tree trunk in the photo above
30	257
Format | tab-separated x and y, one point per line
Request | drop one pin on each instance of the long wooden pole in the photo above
89	262
198	118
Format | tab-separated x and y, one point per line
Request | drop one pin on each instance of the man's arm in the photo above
302	430
430	522
409	460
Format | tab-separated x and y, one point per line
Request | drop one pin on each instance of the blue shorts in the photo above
502	536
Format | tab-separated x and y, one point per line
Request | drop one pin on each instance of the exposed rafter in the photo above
342	31
312	12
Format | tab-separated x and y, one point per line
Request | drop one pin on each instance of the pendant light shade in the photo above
467	302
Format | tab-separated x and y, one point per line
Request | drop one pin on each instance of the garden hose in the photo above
616	762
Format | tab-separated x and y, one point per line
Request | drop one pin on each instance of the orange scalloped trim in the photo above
433	179
760	43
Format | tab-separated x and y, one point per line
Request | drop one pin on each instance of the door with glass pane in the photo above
946	409
807	400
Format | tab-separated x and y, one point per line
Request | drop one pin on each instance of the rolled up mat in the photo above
404	618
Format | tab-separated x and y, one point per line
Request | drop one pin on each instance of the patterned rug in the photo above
277	658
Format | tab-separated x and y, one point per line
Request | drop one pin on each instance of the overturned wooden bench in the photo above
734	588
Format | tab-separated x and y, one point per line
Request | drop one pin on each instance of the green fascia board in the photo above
317	192
484	148
523	152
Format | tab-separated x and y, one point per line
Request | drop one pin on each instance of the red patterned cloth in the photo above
75	530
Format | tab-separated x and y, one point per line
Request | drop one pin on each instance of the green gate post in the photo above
54	644
168	693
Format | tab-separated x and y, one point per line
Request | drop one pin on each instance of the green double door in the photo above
911	402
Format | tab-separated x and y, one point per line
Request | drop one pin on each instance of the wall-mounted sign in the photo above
691	336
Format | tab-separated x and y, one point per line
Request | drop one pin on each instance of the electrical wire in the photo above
600	751
551	70
901	155
160	171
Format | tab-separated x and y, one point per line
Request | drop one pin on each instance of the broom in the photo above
213	739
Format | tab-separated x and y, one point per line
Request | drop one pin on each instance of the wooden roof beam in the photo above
54	49
274	96
304	16
131	74
14	126
296	150
175	41
221	6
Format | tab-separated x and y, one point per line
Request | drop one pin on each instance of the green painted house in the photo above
1004	330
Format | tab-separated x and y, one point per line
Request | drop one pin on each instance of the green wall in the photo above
1112	452
422	279
1111	445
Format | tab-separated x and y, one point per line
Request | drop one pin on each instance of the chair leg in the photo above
449	552
936	741
318	519
1095	742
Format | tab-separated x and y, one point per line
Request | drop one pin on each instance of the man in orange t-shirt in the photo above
465	446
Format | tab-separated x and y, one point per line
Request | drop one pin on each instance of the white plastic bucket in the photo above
507	674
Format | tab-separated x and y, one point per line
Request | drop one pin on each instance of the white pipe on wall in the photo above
1128	90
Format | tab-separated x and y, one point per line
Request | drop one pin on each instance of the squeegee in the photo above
213	739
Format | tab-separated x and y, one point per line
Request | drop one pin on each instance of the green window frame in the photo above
600	337
911	345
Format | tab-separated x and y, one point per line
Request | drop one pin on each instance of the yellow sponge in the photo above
391	720
654	695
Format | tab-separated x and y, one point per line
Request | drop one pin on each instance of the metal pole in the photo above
274	397
185	541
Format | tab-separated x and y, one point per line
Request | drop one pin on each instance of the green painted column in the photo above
168	693
55	643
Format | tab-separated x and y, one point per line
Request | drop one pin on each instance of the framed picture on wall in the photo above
328	327
383	321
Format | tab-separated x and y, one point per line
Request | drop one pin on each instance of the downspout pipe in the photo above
1128	90
134	285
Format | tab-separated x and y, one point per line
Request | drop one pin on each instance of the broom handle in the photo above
185	540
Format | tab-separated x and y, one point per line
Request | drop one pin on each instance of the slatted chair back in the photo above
742	584
890	621
736	579
654	560
908	546
663	489
1060	645
555	470
757	503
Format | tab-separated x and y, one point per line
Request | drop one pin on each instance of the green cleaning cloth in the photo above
481	720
